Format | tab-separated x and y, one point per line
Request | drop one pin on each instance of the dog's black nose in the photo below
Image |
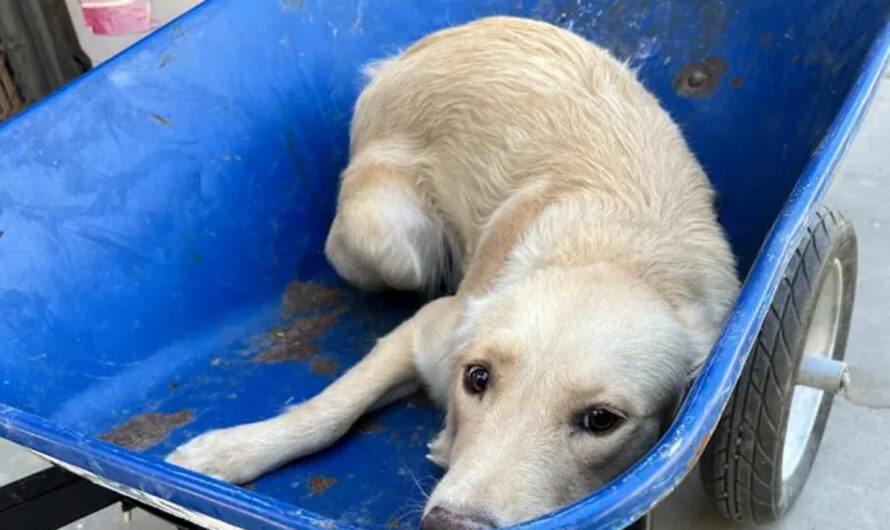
441	519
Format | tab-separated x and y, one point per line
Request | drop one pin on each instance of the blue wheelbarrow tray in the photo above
163	219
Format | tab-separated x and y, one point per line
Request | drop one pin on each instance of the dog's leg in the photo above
385	235
390	371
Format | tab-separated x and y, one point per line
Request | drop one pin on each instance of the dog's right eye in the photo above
599	420
476	379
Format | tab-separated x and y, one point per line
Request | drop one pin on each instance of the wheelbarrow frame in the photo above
618	504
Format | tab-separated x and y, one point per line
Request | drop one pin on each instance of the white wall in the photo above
102	47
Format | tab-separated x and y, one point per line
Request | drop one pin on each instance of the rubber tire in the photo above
741	467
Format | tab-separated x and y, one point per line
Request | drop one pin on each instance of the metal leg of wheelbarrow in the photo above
50	499
128	505
54	497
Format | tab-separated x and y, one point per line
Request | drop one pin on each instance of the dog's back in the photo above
481	110
468	136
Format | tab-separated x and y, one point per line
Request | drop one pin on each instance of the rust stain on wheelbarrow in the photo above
146	430
303	297
296	342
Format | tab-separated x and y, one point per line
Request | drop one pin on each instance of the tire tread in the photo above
740	467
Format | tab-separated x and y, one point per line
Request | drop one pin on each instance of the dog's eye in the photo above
599	420
475	379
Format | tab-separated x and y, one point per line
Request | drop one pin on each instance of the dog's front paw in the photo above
231	455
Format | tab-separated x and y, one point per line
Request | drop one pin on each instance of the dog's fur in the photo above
533	167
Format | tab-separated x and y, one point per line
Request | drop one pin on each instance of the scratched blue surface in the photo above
154	211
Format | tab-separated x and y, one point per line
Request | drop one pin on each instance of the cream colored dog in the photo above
594	277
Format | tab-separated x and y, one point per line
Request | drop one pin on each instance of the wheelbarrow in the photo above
161	267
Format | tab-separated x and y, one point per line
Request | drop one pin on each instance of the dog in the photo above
531	170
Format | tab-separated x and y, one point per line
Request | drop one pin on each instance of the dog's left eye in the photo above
599	420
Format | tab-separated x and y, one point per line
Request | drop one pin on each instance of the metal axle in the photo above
824	374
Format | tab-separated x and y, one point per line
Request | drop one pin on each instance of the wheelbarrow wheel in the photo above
763	448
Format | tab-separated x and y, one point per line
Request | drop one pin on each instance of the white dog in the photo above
534	168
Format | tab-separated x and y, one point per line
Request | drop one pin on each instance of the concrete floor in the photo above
848	487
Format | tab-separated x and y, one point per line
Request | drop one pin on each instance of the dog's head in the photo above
561	381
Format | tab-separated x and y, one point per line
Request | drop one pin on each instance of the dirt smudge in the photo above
323	365
160	120
290	5
146	430
318	484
